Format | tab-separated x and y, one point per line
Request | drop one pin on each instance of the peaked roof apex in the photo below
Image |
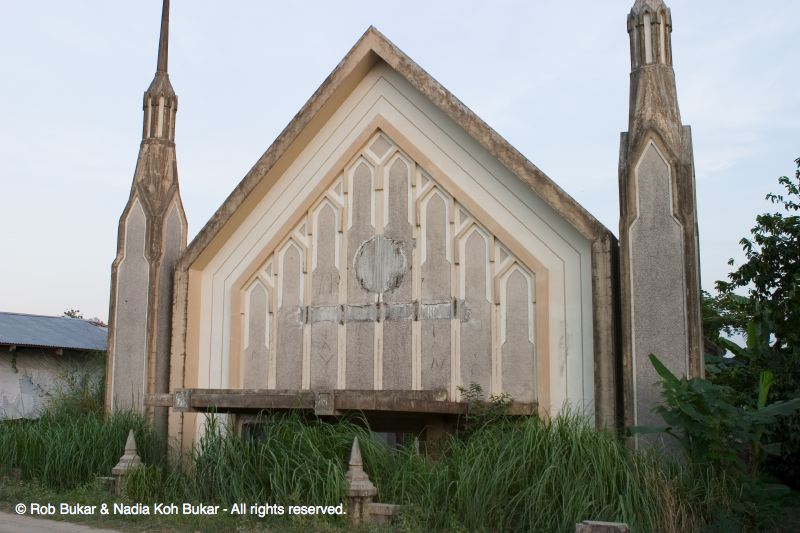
371	46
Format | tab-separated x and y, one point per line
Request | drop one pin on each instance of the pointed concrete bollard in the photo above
360	491
129	459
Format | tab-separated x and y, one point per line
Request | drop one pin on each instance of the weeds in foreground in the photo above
504	474
713	430
73	442
515	475
62	451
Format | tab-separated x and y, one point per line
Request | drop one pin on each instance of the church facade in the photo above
390	250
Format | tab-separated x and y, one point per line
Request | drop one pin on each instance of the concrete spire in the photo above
653	96
160	103
151	238
163	41
129	459
359	490
659	256
355	456
358	482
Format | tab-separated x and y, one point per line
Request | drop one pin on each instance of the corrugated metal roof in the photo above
51	332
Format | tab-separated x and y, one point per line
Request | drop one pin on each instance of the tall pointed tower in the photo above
659	260
151	238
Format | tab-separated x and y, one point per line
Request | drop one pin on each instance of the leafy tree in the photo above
769	318
713	428
75	313
771	272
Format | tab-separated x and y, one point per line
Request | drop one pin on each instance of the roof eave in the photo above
52	347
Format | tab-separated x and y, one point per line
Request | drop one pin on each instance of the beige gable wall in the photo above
486	188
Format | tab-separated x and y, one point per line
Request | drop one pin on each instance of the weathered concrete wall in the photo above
459	187
432	299
174	242
256	336
289	324
658	301
325	279
377	86
31	377
128	339
476	337
397	334
659	258
360	316
435	301
517	337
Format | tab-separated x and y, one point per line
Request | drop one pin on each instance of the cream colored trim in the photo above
382	111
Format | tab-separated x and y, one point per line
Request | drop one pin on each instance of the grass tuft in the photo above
511	475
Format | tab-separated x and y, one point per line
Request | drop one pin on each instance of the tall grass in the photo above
73	441
291	462
525	475
62	452
510	475
532	475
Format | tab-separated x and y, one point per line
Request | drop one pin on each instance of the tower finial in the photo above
163	41
650	29
160	103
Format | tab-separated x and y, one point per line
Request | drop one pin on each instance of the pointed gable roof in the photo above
371	48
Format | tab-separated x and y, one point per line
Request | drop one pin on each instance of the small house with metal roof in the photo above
40	355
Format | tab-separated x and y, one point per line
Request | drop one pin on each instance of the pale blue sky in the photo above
550	76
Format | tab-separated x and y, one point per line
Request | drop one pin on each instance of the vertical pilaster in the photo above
659	262
151	238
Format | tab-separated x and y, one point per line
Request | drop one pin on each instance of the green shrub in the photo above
535	475
712	429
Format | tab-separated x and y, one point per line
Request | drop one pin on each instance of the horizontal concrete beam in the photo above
324	403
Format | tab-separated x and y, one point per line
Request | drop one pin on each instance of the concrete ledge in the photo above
323	403
591	526
381	513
